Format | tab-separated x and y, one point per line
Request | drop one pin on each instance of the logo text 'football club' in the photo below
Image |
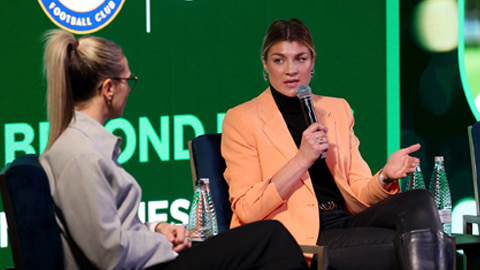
81	17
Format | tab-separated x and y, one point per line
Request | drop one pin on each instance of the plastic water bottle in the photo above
211	206
415	180
200	218
441	192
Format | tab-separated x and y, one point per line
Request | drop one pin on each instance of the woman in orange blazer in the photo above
274	169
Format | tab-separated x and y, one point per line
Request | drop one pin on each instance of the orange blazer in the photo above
256	143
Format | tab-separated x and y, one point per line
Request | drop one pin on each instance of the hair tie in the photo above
75	45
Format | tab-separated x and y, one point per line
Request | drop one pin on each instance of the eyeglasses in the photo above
132	80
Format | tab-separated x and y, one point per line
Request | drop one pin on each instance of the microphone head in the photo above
303	91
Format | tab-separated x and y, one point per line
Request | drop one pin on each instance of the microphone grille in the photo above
303	91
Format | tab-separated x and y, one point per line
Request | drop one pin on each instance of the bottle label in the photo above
445	215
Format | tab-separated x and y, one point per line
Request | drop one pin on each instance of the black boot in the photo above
425	250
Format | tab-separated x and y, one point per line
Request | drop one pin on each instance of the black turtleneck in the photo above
323	183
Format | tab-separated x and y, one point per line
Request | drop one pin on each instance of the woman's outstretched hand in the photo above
400	163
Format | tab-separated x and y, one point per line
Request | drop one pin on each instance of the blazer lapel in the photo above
275	128
277	132
325	117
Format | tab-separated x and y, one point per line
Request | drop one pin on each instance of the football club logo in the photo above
81	17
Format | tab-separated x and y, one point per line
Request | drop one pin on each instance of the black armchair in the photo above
206	161
32	228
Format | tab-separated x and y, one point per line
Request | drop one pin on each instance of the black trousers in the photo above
260	245
366	241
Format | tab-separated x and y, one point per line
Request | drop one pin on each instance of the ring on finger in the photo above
320	140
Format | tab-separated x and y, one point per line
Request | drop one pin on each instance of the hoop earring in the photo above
109	101
265	76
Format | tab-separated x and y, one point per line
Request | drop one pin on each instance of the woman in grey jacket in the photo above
96	200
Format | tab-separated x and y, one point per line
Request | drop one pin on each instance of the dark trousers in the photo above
260	245
366	240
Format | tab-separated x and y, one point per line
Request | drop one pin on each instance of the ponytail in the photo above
74	70
59	93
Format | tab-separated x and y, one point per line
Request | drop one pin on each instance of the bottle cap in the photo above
438	158
203	180
417	167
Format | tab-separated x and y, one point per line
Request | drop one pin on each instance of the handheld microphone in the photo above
304	93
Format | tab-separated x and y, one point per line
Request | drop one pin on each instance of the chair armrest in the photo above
468	220
320	251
